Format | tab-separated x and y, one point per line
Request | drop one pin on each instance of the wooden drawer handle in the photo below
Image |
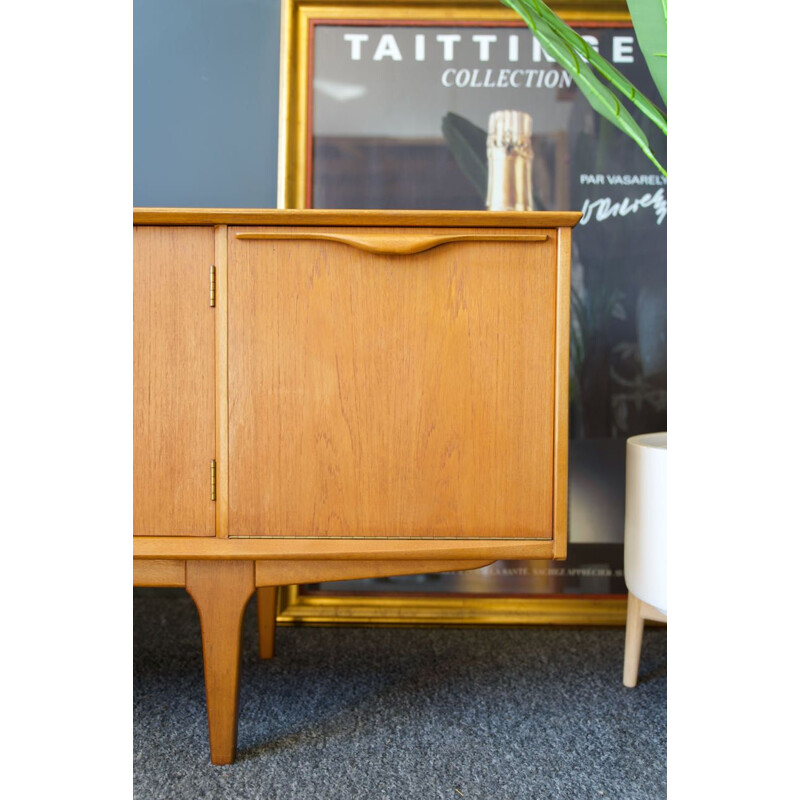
392	244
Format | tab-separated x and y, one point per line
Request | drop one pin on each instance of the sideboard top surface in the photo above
253	216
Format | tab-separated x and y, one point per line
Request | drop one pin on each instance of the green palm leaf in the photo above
602	99
649	19
603	67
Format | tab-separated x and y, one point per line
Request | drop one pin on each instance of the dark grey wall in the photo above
205	102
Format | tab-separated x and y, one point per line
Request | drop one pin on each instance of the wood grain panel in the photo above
285	573
159	572
324	547
375	395
173	382
523	220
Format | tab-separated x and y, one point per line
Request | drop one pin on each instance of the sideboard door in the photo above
405	394
173	381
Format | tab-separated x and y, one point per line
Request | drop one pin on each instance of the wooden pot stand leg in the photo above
638	612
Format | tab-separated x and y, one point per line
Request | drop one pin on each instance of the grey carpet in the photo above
422	714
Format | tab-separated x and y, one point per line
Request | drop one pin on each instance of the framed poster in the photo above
385	104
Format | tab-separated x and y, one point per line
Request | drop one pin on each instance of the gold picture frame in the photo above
295	609
299	18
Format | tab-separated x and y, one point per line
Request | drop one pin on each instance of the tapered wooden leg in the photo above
220	590
634	628
267	603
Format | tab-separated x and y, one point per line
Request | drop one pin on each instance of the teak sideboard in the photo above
326	395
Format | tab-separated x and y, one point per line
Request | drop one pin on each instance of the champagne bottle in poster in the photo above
510	154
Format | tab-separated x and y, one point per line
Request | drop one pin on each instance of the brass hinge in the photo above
212	280
213	479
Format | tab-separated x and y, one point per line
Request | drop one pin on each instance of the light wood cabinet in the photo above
323	395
